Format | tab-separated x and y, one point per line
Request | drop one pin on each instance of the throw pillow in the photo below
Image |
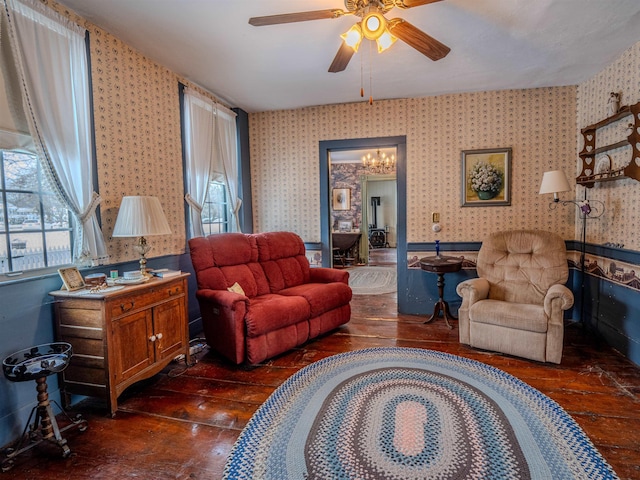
236	288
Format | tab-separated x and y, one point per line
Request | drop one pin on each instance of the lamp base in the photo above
143	248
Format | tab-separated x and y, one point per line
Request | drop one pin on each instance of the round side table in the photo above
37	363
441	265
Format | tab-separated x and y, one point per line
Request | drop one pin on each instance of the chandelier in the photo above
380	163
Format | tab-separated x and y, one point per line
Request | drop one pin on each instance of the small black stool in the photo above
37	363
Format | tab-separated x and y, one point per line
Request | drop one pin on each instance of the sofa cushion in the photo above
222	260
271	312
282	256
321	297
277	245
518	316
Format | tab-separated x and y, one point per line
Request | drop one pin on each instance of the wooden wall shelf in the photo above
588	177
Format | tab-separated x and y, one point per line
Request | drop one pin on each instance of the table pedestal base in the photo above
45	427
441	305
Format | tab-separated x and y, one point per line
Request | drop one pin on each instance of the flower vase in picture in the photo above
486	180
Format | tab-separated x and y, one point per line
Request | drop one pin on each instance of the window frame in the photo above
209	206
42	192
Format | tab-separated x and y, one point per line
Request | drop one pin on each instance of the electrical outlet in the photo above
435	217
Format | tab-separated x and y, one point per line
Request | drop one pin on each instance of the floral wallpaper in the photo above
620	223
138	137
284	158
538	124
139	151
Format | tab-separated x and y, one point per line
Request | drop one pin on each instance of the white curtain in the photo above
14	128
211	153
199	126
226	136
51	58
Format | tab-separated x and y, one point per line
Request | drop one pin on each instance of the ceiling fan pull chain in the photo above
370	74
361	77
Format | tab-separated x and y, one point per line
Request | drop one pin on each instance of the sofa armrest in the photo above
223	323
473	290
225	299
560	293
328	275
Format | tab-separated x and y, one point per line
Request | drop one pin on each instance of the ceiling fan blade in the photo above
414	3
296	17
419	40
341	60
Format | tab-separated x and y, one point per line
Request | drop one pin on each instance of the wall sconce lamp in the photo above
141	216
556	182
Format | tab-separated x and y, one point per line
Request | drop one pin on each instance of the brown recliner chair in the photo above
516	305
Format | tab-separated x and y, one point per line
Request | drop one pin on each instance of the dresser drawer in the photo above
126	304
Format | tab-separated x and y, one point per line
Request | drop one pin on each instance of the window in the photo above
35	228
215	211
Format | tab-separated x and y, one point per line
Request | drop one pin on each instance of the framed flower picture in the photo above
486	177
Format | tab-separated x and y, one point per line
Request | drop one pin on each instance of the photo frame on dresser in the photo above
71	278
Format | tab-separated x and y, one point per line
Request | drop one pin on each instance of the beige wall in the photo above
538	124
621	221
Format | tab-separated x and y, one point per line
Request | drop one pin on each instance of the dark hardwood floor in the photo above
182	423
383	256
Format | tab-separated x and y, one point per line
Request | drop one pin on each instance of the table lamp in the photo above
141	216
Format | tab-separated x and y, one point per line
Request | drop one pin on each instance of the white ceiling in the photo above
495	45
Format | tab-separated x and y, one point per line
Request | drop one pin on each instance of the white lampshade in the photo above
554	182
141	216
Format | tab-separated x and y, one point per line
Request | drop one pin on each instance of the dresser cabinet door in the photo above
168	326
133	345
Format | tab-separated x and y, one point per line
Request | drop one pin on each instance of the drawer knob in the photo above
159	336
126	307
153	338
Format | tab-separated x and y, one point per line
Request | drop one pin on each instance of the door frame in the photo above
325	148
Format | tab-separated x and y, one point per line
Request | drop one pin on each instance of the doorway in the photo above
379	215
327	225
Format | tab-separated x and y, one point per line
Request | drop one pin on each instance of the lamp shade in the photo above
141	216
554	181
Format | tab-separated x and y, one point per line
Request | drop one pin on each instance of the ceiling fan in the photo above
373	26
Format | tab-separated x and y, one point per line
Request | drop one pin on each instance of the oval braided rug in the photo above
372	280
405	413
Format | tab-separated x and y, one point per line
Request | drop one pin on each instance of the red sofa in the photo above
282	303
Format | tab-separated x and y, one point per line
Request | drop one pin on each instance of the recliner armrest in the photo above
224	298
328	275
473	290
561	292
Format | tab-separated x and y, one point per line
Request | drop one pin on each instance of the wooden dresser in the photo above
121	336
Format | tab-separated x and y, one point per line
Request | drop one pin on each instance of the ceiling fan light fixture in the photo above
373	25
385	40
353	37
